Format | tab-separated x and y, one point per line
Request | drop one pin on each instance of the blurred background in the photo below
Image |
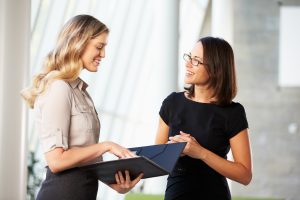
143	65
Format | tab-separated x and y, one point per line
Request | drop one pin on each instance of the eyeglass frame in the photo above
188	58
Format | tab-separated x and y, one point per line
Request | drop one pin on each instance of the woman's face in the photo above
94	52
196	75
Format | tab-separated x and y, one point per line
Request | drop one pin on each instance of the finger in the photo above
117	178
127	181
121	177
137	179
120	155
129	154
183	133
186	136
177	138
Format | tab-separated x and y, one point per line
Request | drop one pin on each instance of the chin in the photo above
188	81
92	70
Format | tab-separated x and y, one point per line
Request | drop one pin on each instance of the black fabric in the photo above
72	184
212	126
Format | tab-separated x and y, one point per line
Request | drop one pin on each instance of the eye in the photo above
196	60
99	47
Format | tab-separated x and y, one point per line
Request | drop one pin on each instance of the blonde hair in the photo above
64	61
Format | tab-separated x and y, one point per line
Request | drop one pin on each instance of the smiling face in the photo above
196	75
94	52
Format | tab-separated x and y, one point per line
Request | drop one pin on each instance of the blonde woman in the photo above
66	120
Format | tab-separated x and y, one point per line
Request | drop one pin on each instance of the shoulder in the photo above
58	89
174	96
235	110
173	100
59	85
237	107
237	119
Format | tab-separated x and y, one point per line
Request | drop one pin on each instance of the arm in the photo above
162	132
59	159
239	170
55	120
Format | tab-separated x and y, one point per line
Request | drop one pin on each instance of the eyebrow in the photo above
101	43
195	56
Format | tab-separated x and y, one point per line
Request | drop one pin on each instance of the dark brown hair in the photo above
219	64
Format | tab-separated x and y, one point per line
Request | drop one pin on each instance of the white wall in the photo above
14	54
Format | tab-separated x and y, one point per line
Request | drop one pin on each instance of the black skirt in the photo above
72	184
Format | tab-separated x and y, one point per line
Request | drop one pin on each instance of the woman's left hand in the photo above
124	185
192	148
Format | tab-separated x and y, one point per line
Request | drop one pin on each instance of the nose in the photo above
188	64
102	53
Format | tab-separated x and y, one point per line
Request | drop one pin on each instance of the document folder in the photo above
153	161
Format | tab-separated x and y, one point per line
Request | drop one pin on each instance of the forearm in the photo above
60	160
232	170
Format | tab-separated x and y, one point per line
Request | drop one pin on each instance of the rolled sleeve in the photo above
54	139
55	116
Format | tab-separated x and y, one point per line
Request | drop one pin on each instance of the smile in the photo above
97	61
189	73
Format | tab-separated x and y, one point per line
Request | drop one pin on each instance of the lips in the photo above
189	73
97	61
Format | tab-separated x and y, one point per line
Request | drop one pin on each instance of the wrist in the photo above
202	153
106	145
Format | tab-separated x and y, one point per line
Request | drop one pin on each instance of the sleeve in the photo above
237	121
165	109
56	115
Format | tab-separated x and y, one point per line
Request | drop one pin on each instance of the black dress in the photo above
212	126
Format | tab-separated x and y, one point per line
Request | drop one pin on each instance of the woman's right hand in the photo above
119	151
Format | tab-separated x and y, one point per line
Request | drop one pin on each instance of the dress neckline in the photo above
195	102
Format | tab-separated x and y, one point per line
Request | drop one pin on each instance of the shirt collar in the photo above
79	83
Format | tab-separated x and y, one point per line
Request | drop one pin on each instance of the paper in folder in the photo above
153	161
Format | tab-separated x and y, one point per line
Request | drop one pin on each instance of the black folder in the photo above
153	161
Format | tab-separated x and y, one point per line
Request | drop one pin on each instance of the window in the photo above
289	47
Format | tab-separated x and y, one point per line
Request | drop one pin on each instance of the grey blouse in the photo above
66	116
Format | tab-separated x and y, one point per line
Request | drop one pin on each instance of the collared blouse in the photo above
66	116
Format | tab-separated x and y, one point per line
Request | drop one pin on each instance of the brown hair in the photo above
219	63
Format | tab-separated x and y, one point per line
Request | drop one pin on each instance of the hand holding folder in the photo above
153	161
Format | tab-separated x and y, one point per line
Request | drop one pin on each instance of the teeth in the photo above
189	73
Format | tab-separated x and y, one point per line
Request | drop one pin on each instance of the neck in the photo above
203	94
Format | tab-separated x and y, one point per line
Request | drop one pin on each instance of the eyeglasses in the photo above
195	62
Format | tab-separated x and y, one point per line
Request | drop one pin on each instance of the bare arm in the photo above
162	132
239	170
59	159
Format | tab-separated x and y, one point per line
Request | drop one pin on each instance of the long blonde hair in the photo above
64	61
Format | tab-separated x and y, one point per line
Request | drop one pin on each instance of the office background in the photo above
143	65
